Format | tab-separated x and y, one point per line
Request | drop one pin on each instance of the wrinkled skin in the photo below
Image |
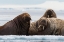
34	25
52	26
18	26
44	27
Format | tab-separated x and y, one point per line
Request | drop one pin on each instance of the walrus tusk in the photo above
43	27
39	26
48	16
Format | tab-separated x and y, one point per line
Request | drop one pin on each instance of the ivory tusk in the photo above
39	26
48	16
43	27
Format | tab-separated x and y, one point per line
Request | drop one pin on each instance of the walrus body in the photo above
53	26
18	26
48	14
33	28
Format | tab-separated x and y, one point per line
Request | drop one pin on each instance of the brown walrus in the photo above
50	26
18	26
33	28
49	14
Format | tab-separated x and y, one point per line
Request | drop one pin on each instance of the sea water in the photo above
34	38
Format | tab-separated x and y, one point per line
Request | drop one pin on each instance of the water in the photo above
35	38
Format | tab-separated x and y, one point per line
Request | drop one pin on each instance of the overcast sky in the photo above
20	4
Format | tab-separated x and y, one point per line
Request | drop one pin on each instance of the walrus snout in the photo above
40	28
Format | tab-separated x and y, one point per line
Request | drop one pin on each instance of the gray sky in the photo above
24	2
20	4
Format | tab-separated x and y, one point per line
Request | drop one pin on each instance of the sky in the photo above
20	4
25	2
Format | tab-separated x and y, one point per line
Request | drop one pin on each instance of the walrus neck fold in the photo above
51	25
37	24
19	25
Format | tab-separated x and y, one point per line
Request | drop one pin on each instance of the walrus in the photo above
50	26
18	26
33	28
50	14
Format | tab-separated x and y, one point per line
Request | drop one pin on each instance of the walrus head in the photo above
25	18
42	24
44	27
49	14
23	23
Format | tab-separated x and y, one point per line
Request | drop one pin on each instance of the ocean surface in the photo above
35	38
7	15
